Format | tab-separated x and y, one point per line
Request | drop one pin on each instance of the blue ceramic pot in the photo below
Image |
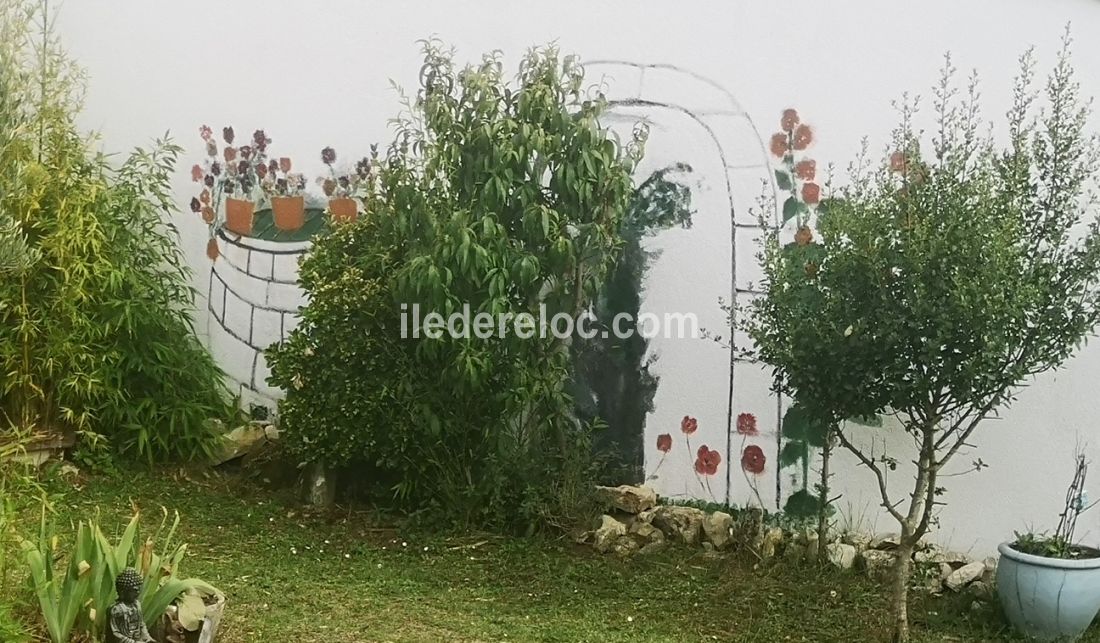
1049	599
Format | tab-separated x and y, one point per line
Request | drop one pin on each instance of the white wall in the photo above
156	66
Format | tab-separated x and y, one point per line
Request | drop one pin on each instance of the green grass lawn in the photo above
340	577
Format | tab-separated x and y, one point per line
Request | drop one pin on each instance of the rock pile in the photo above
636	524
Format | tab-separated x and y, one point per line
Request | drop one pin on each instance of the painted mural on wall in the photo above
260	221
689	415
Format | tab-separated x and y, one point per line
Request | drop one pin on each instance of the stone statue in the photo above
124	621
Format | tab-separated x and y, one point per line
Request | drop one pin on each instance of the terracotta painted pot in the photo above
238	216
343	210
289	212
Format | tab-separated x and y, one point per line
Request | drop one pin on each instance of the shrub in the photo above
505	197
941	282
95	333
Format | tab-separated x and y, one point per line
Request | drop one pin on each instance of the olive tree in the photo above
939	283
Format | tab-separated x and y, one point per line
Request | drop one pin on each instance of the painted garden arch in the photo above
748	418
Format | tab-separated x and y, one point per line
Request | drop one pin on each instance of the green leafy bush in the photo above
942	281
95	334
503	196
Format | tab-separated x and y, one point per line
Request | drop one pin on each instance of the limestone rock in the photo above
770	542
683	524
877	563
627	498
240	441
964	575
625	547
856	539
320	485
842	555
885	542
718	528
608	533
647	534
989	576
934	555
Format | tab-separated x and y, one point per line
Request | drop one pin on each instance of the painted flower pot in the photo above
343	210
1048	598
238	216
289	212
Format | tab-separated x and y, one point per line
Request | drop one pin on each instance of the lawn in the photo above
340	577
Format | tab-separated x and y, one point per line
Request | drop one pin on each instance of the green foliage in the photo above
11	630
503	196
77	599
941	282
95	334
1051	547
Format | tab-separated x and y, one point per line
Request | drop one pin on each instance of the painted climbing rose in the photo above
753	460
707	461
664	442
746	424
689	425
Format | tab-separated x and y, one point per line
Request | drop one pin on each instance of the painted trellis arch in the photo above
693	119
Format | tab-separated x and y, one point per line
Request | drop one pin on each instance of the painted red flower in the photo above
707	461
212	249
789	120
803	237
204	196
261	170
898	162
752	459
197	173
208	214
689	424
746	424
779	144
664	442
284	164
230	154
811	193
803	136
806	170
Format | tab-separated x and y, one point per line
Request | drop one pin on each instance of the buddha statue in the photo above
124	621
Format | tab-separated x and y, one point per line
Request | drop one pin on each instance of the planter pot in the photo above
343	210
289	212
1048	598
238	216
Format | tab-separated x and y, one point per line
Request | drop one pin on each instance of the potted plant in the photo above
235	178
1049	586
284	188
341	188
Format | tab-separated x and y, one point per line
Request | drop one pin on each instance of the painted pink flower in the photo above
689	424
789	120
811	193
284	164
205	132
746	424
664	442
806	169
753	460
707	461
897	162
197	173
779	144
803	136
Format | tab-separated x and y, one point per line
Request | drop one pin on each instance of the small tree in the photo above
940	283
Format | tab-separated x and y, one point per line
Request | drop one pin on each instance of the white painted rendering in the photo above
156	66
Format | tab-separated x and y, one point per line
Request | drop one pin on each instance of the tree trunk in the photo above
899	596
823	499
